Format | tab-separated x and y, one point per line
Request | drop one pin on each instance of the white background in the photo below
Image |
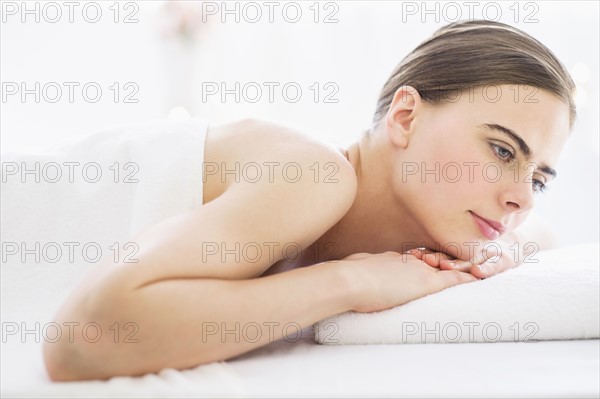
356	54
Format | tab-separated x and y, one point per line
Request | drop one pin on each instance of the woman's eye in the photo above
503	153
539	186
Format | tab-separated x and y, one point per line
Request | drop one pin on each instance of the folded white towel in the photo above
555	298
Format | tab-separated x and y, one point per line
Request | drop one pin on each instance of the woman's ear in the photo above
400	117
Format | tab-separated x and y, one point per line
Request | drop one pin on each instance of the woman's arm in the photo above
151	314
184	323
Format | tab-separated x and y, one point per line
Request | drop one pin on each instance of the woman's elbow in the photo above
84	348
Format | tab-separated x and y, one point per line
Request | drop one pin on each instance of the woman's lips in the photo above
490	229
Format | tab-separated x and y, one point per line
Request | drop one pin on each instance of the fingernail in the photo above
482	268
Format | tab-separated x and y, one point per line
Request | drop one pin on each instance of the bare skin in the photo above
416	134
351	233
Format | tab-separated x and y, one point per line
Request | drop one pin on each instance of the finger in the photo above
482	270
420	251
450	278
456	264
440	260
491	253
428	259
417	252
490	268
432	259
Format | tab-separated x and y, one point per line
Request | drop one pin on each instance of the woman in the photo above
466	132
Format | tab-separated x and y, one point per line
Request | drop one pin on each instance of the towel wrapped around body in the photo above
66	208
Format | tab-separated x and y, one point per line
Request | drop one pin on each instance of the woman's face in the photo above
486	155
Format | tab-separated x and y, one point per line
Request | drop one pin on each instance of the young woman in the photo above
466	133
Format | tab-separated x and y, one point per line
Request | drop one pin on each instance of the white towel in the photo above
165	157
556	298
149	171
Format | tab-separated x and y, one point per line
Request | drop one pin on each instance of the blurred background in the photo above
69	69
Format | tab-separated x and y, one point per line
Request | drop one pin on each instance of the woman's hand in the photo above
491	260
391	279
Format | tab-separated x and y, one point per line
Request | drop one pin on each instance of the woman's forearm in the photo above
186	322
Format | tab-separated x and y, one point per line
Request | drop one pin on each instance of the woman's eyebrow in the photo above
522	144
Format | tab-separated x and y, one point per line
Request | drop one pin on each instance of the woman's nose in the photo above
518	196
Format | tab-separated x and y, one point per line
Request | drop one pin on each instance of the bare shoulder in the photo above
276	184
248	151
272	187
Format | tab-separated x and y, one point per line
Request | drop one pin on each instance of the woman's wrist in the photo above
347	281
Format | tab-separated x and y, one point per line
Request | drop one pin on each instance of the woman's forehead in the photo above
524	107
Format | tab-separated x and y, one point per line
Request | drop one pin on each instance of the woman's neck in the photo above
377	221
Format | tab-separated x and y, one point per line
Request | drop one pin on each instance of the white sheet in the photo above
303	368
148	172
